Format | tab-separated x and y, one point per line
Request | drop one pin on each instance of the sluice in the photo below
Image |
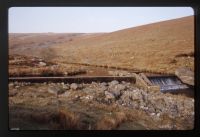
168	83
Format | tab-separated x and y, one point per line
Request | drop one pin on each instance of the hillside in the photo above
158	47
33	43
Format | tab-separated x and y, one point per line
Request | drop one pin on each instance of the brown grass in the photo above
109	122
67	120
151	48
25	66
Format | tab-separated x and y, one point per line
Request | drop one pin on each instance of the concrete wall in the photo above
143	82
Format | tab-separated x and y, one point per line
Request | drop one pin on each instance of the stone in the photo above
66	87
185	75
80	86
11	84
103	84
15	83
116	89
65	73
102	88
94	83
158	114
109	95
42	64
120	87
66	94
17	86
74	86
116	93
136	95
114	82
55	90
89	97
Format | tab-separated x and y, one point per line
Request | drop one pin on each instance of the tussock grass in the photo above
67	120
109	122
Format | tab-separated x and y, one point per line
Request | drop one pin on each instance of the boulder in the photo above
185	75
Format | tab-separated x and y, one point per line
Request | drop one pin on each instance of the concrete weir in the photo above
80	79
168	83
162	83
158	83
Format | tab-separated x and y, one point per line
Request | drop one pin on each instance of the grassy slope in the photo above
33	43
152	47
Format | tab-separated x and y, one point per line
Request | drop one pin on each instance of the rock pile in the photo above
125	94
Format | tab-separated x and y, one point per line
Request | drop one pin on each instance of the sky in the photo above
88	19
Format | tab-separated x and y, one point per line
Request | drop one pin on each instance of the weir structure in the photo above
159	83
162	83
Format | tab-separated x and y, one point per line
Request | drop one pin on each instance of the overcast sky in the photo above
88	19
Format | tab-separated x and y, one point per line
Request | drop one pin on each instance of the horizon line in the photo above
99	32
